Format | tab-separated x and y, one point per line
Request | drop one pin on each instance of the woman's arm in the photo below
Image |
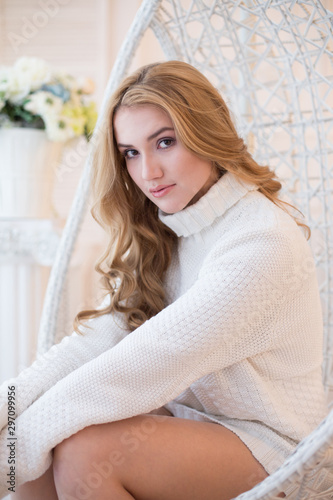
228	315
73	351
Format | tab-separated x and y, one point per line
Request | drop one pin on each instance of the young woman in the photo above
202	371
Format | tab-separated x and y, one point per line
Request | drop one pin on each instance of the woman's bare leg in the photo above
44	488
41	489
152	456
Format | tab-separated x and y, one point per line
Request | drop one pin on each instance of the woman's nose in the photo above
150	169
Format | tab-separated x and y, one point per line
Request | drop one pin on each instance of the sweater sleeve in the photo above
226	316
72	352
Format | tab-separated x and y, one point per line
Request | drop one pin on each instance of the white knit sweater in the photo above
240	342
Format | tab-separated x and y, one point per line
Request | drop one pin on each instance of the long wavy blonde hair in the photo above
140	246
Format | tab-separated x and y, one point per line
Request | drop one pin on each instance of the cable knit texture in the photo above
240	342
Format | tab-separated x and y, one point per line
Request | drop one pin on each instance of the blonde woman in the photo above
201	372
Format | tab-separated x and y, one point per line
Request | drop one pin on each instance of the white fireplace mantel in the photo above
27	250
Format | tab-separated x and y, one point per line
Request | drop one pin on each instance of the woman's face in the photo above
168	174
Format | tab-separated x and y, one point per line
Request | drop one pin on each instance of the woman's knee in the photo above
68	457
74	462
95	454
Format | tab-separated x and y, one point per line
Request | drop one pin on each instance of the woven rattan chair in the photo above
272	61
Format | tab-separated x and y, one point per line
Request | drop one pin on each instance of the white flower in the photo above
49	107
27	75
44	104
4	85
58	128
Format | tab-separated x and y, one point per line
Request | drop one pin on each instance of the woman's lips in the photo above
161	190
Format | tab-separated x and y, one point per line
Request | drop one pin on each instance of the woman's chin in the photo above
170	208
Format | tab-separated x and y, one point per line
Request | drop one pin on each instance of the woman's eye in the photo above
130	153
165	143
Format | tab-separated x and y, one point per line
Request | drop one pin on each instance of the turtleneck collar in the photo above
218	199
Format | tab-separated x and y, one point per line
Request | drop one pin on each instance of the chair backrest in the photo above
273	62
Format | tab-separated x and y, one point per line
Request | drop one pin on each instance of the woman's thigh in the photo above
154	456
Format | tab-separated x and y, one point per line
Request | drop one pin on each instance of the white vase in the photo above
28	161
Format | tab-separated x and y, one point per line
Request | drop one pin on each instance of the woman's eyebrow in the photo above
125	145
155	134
152	136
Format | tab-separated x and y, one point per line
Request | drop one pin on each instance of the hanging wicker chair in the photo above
272	61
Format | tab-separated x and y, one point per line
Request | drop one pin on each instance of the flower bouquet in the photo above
32	95
41	112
